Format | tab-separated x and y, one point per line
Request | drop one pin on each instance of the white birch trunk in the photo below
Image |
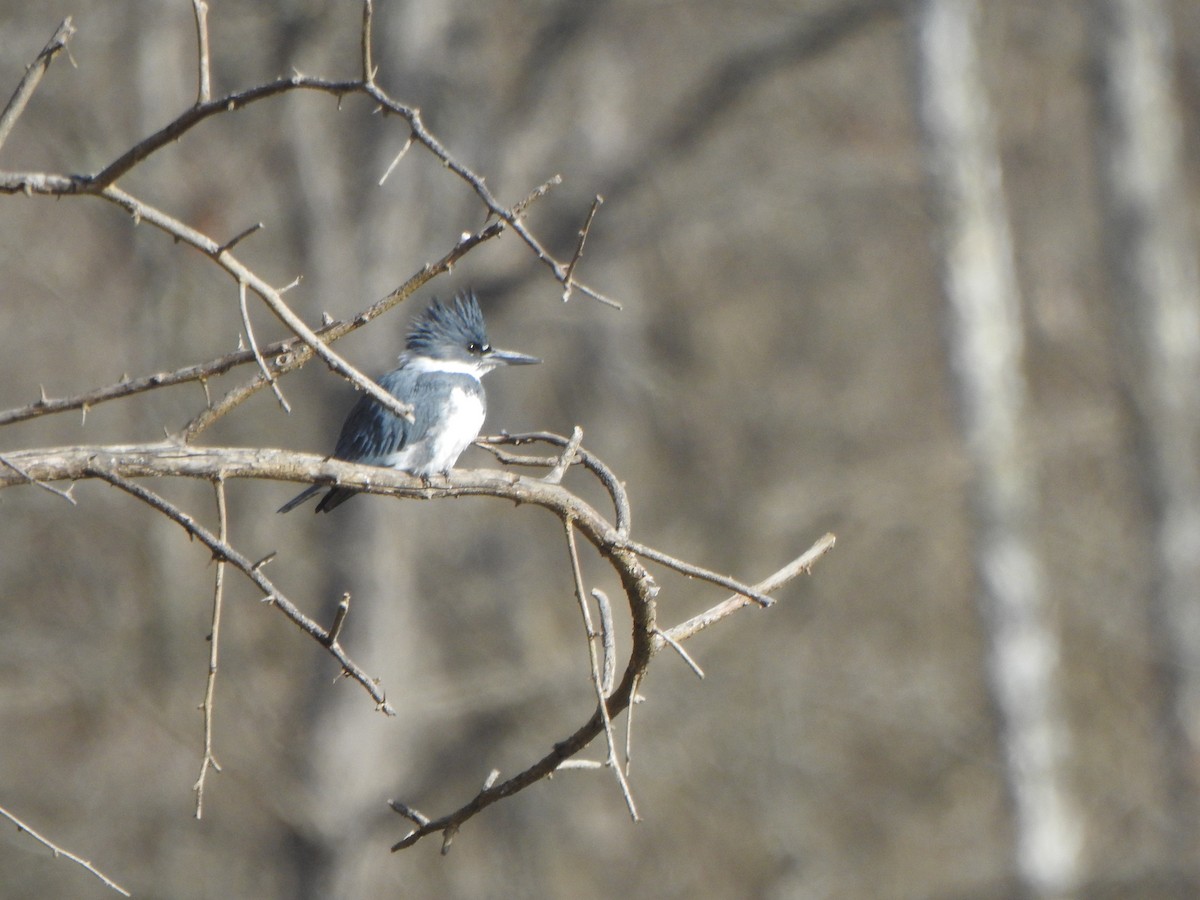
985	344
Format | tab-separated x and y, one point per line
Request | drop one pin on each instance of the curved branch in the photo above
119	464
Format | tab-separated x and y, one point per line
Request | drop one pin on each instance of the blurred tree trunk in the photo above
1156	302
985	345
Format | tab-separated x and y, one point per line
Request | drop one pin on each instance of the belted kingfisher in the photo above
446	355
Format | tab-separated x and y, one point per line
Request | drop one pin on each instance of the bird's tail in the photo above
336	497
300	498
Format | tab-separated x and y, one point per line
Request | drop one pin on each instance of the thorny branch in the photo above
33	76
121	465
222	551
59	851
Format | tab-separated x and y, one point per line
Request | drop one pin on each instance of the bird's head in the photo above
452	337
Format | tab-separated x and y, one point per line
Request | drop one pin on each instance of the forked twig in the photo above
33	77
262	363
569	280
209	761
597	674
222	550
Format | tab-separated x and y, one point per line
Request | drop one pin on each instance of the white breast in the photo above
464	419
439	450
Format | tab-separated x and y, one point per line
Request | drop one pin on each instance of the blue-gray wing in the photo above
371	433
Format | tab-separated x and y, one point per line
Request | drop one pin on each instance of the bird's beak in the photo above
511	358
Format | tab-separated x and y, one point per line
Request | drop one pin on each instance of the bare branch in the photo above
683	654
339	618
368	66
60	851
693	571
172	226
208	760
33	77
801	564
281	356
262	363
616	490
597	675
568	283
608	639
66	495
119	464
569	453
222	550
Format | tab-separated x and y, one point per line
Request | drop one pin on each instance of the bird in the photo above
440	373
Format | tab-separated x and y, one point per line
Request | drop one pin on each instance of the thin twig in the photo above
608	639
209	761
284	356
272	297
204	76
694	571
612	484
519	208
262	363
368	66
66	495
569	281
222	550
33	76
396	161
60	851
413	815
339	618
634	700
555	476
683	654
241	236
597	676
801	564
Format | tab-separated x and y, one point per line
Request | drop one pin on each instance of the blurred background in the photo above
782	367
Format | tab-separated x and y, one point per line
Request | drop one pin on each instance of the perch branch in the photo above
119	464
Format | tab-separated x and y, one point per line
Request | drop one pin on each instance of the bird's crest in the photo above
445	325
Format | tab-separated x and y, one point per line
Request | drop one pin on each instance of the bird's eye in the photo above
476	347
